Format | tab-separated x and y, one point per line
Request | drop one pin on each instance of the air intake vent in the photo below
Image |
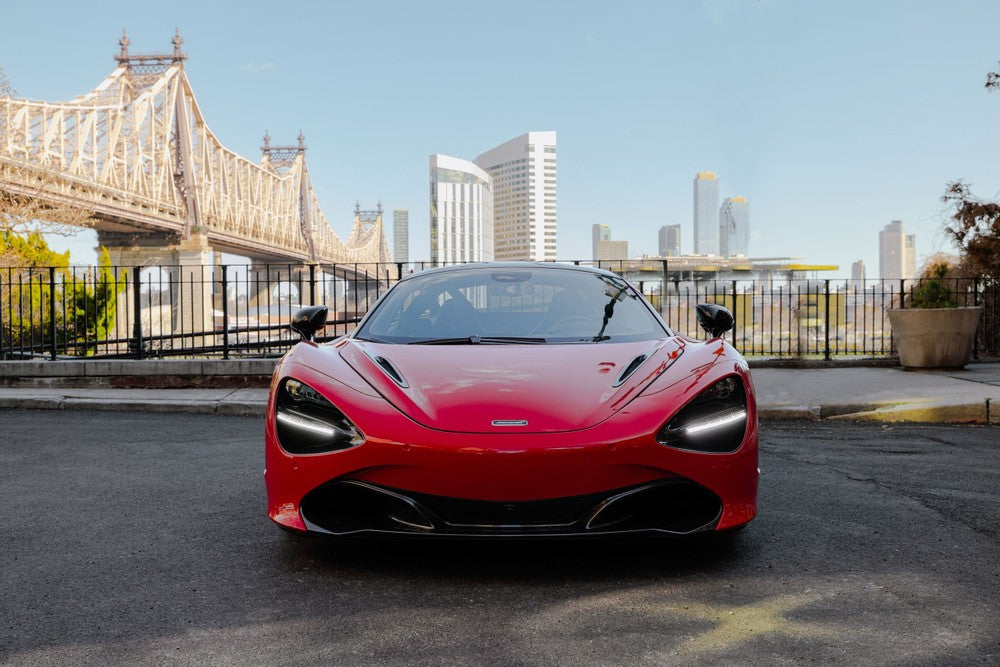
631	368
391	371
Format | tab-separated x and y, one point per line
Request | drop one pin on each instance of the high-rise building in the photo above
608	250
897	257
524	196
734	227
604	248
401	235
670	240
706	213
461	211
858	276
910	256
599	233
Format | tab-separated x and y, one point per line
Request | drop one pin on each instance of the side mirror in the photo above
714	319
308	321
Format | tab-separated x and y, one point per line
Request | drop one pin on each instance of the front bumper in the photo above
671	507
449	483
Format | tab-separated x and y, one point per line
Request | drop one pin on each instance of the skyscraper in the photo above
910	256
461	211
734	227
706	213
670	240
897	257
606	249
599	233
401	235
524	196
858	275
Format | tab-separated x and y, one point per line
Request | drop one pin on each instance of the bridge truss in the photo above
137	154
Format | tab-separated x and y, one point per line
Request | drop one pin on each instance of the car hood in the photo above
489	388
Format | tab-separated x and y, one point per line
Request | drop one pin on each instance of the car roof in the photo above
491	266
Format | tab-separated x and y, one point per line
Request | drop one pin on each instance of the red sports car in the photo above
512	399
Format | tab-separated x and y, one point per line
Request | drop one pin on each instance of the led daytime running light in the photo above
715	423
306	424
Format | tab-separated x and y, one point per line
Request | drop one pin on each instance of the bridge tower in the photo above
283	160
184	254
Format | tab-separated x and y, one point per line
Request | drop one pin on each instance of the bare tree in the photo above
975	229
6	90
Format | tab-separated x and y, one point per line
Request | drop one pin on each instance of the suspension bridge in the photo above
136	155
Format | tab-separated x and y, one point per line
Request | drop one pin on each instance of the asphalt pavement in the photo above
888	394
140	538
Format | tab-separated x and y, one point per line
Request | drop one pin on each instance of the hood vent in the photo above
388	369
632	367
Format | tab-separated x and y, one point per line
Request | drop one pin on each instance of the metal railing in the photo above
244	310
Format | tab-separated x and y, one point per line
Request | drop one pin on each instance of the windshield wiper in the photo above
371	339
477	340
609	312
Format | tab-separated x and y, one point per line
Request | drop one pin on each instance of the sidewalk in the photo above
880	394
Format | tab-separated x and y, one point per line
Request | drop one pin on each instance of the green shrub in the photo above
932	292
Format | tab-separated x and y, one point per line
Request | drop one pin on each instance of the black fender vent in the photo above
389	369
632	367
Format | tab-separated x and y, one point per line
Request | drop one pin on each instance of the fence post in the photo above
826	321
732	337
982	318
52	312
137	310
225	314
312	284
399	270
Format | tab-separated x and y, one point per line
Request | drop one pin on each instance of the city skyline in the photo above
817	139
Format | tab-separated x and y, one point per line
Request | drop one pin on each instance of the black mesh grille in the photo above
674	506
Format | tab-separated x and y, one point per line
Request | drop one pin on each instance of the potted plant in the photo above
934	332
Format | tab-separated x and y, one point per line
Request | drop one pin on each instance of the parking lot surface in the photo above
141	538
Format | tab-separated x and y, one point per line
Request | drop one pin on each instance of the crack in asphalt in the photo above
921	500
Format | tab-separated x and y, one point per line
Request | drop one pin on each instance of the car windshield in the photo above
512	305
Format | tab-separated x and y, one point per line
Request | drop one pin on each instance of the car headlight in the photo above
307	423
715	421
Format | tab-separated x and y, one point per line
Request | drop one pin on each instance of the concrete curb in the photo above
919	412
254	409
789	412
136	367
965	413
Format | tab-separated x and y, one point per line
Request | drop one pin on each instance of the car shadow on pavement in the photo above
522	559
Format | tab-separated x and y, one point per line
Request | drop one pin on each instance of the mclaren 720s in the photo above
512	399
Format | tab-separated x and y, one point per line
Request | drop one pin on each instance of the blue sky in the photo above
832	118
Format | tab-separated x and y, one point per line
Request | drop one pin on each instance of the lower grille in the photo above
673	506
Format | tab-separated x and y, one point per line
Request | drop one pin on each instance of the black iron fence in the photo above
244	310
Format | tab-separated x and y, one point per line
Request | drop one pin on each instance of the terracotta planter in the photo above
935	337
